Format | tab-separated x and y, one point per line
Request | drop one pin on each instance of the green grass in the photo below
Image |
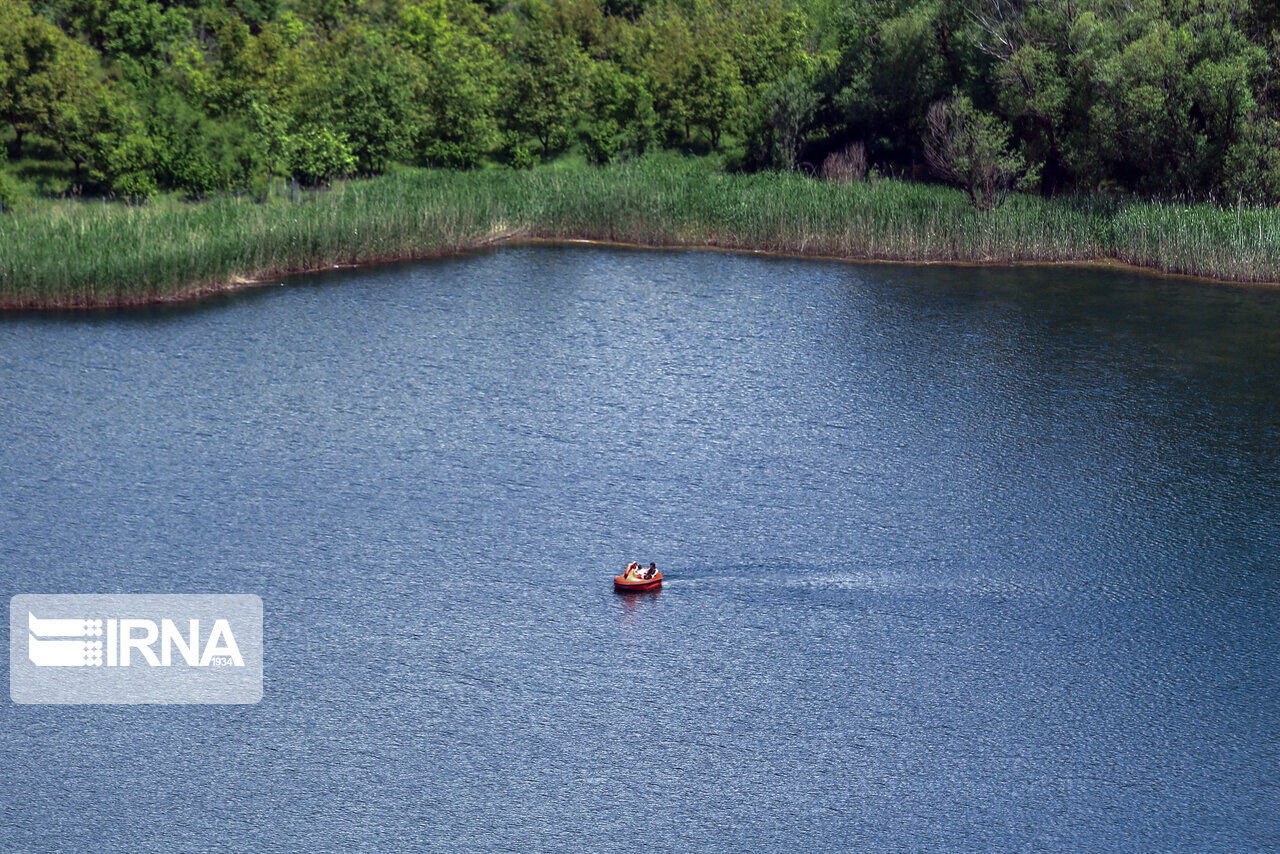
87	253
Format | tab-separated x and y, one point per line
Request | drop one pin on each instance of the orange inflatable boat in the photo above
630	584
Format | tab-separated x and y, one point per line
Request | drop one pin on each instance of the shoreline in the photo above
236	284
59	257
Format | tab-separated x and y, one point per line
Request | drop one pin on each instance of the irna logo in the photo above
77	648
62	642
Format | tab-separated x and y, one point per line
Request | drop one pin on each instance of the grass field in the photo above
88	253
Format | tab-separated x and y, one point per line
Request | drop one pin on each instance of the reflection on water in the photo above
637	608
955	558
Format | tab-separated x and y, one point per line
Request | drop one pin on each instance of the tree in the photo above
907	74
50	85
83	123
40	67
456	109
1164	98
695	78
968	147
1032	89
623	121
544	73
372	102
138	33
126	163
783	116
199	155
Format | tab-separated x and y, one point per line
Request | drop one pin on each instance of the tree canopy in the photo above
1163	98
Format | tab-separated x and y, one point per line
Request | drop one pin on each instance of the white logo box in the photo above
131	648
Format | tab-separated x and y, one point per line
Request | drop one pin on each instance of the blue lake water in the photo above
958	559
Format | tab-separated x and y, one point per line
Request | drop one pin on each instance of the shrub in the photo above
8	192
520	156
260	187
847	165
136	188
602	140
451	154
317	155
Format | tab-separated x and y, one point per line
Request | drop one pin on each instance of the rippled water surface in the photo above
958	559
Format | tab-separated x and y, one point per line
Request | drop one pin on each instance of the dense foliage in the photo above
1163	98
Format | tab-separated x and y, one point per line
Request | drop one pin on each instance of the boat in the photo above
623	584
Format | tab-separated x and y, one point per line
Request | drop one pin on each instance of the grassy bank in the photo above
63	254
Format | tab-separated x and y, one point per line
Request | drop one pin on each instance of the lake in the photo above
957	559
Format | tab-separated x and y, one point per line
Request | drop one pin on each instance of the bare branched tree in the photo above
847	165
1002	24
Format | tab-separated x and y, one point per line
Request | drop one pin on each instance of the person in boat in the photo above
651	571
633	570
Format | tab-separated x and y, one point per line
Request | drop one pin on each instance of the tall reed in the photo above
61	254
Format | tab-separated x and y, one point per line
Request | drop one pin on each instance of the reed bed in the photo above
72	255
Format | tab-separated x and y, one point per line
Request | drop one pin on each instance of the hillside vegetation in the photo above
1166	99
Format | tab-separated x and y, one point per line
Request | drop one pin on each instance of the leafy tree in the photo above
330	16
40	66
1157	97
543	79
256	13
969	147
198	155
371	99
784	114
623	122
1165	98
456	108
83	123
126	164
1251	165
767	42
695	78
138	33
908	75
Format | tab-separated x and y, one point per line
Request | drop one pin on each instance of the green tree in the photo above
138	33
371	99
40	68
695	78
907	75
1158	97
783	116
623	121
969	147
199	155
545	70
84	122
126	164
456	109
767	42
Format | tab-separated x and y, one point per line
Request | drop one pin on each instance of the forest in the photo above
1173	100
